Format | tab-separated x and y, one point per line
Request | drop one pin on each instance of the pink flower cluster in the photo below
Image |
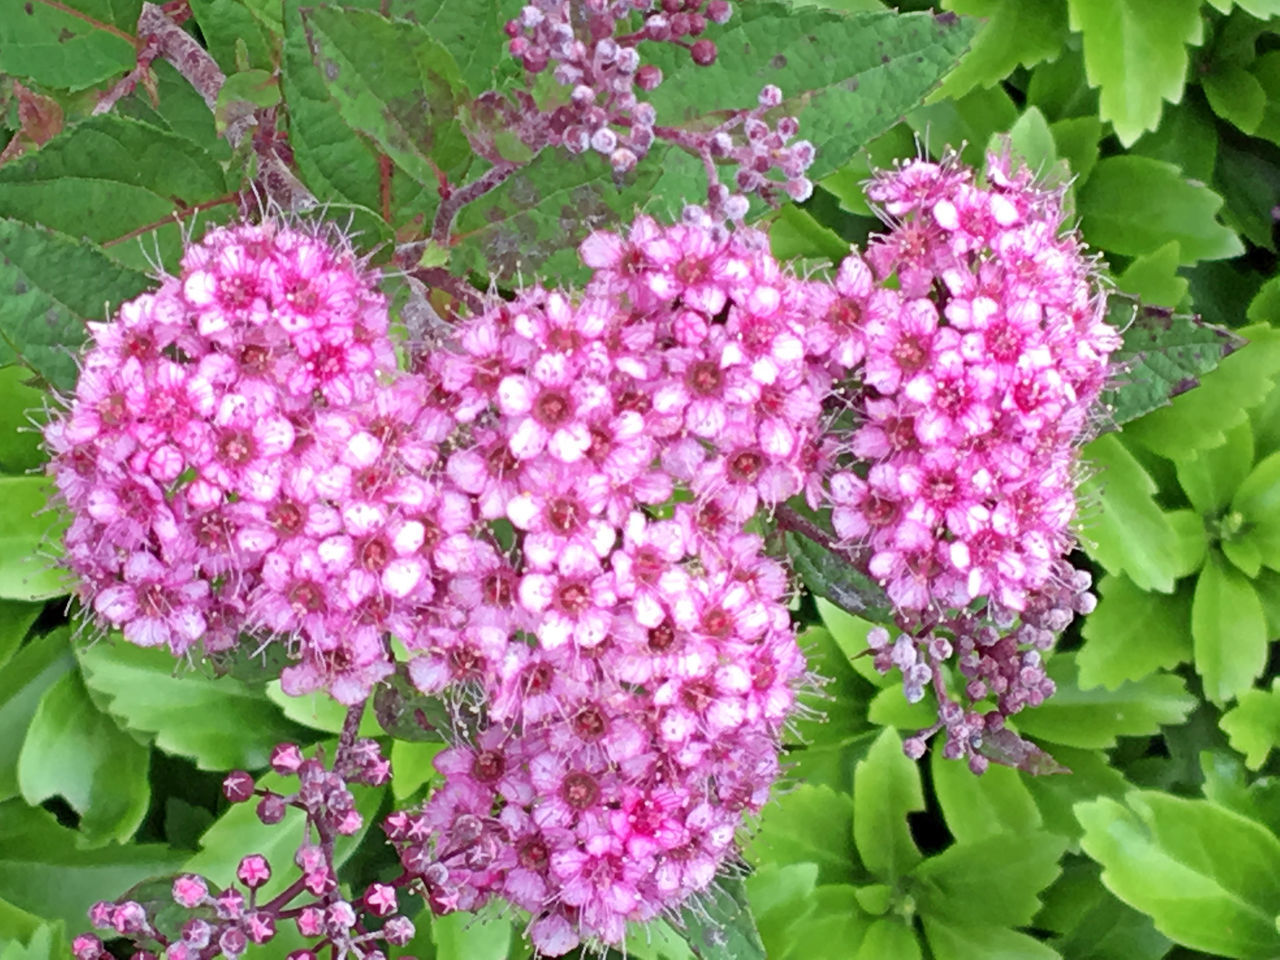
980	372
635	657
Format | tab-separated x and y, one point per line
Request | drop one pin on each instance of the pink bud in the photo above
237	787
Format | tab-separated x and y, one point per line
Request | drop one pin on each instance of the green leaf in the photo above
146	690
1132	634
951	940
994	880
967	124
1235	95
1229	630
1093	924
807	825
74	750
226	24
975	808
113	178
457	25
1153	278
1257	501
45	869
1205	874
720	925
15	620
25	678
1135	52
29	534
1210	477
1060	89
318	711
1134	205
1226	784
1091	775
836	579
21	409
1253	724
412	767
1077	142
886	788
1126	531
242	94
1200	418
17	925
55	48
1016	33
889	937
1187	138
848	78
1094	718
778	896
393	83
460	936
795	233
1248	177
1031	141
1163	356
52	285
850	635
838	733
239	831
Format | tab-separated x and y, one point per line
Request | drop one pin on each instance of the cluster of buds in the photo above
596	56
192	919
980	373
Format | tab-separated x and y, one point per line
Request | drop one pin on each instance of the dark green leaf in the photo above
1133	633
16	619
407	714
720	925
1133	205
1205	874
52	285
21	408
156	696
227	24
967	124
25	678
56	48
835	578
74	750
886	789
1093	924
45	869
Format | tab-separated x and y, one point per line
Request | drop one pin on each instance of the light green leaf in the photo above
889	708
850	635
995	880
74	750
29	537
412	767
1200	418
1210	477
1092	775
1236	95
1092	923
225	24
1253	724
462	936
1134	205
950	940
795	233
1135	51
1205	874
838	733
1077	142
779	896
1153	277
1092	719
1126	531
53	284
1133	633
978	807
1016	33
395	84
889	937
1257	501
58	49
21	407
807	825
319	711
1032	142
834	918
17	924
25	678
45	869
1229	630
155	696
109	178
886	787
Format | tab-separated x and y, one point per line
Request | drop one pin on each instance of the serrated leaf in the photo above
778	896
1248	177
978	807
154	696
1016	33
1253	724
1210	477
29	537
1091	775
242	94
1133	205
1229	630
1199	418
950	940
52	46
848	77
52	284
1227	784
1077	141
839	724
25	678
1163	356
1030	141
1094	718
1153	277
1135	52
393	83
1125	530
1205	874
1093	924
809	824
1257	503
1132	634
74	750
111	178
225	24
886	787
969	122
719	926
993	880
836	579
44	867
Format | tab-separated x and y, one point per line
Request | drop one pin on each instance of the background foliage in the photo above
1163	116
